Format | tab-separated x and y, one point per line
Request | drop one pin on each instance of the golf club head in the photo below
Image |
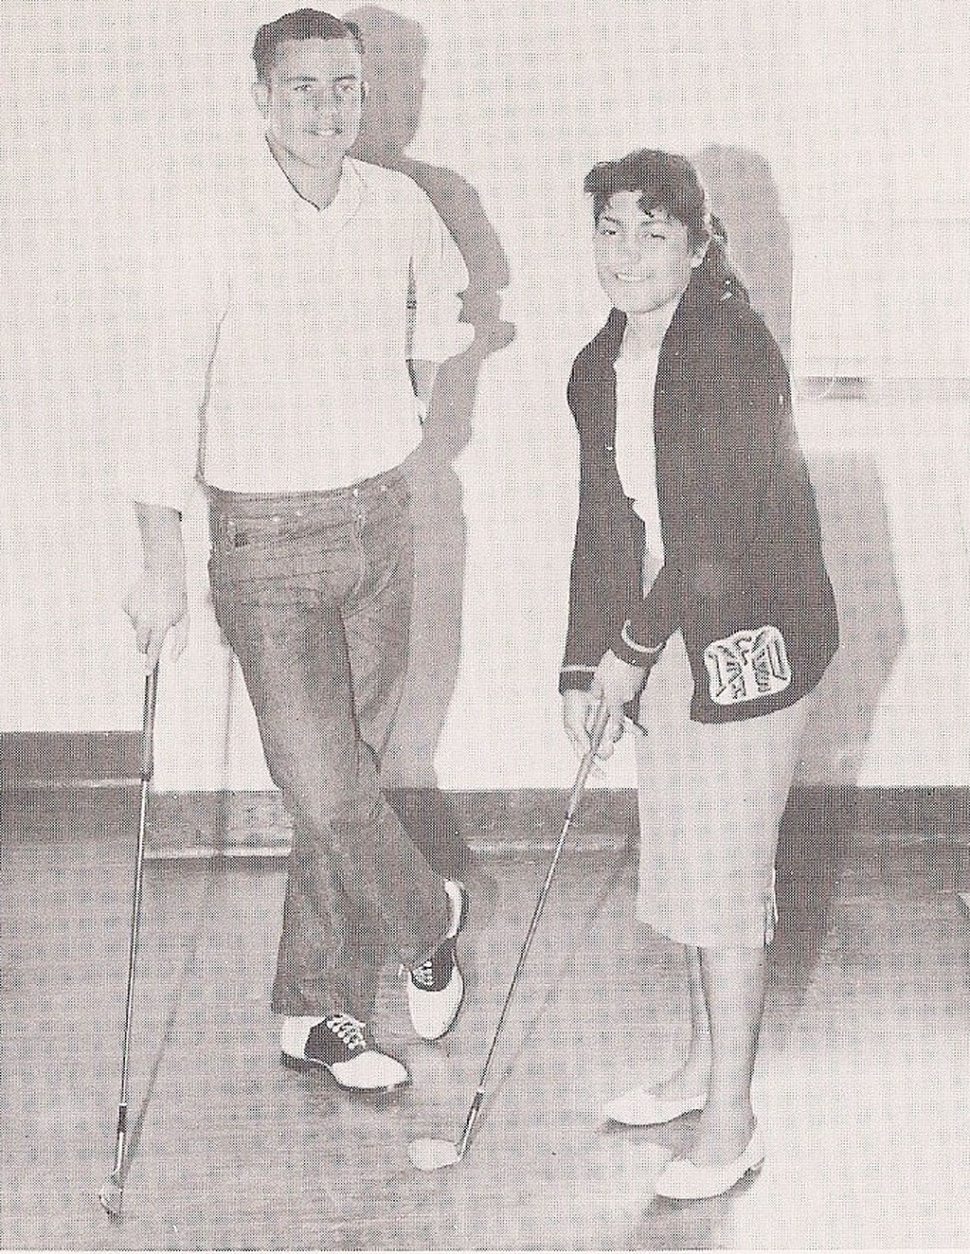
110	1197
428	1153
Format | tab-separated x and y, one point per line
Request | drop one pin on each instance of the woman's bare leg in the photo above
733	981
692	1077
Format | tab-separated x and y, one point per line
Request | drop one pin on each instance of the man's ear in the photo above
261	96
698	257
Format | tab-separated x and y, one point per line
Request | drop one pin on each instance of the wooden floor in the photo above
862	1086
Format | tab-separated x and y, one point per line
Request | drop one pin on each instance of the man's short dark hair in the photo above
303	24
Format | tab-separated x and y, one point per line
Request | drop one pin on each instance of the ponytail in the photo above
716	267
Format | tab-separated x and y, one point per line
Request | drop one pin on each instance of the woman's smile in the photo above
628	239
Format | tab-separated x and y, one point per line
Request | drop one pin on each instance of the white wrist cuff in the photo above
637	648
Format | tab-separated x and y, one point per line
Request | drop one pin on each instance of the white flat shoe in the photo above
638	1108
685	1181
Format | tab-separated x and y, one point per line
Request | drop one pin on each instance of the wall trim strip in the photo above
203	824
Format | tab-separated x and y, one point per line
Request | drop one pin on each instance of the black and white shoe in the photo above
343	1046
436	987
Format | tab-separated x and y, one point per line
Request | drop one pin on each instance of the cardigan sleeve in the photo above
588	632
742	411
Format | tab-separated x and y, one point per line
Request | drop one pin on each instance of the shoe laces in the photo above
348	1030
433	974
423	976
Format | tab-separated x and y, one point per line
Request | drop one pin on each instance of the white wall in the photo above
857	112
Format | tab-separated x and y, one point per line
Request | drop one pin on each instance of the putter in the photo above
428	1153
111	1193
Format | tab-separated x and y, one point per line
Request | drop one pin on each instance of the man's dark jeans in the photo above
313	593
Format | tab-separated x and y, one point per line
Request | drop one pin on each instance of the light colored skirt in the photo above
710	800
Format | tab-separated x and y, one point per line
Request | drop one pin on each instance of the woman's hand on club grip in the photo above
615	683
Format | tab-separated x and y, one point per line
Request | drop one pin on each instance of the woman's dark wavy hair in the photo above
303	24
668	182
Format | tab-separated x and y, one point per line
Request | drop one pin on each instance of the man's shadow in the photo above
395	51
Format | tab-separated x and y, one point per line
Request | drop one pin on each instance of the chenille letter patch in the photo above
747	665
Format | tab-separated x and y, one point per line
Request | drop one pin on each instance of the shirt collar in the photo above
274	193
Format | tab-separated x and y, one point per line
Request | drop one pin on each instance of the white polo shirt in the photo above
283	334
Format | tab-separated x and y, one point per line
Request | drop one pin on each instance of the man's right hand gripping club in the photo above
157	604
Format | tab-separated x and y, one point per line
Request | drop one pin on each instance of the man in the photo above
303	331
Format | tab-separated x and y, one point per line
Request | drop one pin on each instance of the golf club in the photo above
111	1192
430	1153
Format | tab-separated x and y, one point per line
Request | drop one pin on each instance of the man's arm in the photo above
185	304
158	601
439	276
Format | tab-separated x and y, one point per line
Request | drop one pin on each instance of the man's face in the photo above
313	98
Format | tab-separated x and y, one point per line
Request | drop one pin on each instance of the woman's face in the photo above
643	261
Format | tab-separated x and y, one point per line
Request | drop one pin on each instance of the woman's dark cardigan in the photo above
738	517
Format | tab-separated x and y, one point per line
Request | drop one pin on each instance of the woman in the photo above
697	562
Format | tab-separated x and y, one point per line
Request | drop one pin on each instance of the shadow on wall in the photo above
744	196
395	50
858	552
817	831
848	490
858	549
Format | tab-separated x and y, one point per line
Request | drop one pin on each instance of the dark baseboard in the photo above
522	819
255	823
68	759
247	823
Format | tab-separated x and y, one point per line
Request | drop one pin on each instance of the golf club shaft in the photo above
147	768
596	735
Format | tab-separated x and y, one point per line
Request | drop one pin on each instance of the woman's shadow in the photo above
815	838
816	833
395	51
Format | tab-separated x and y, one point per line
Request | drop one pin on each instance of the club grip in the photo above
595	739
599	727
148	725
